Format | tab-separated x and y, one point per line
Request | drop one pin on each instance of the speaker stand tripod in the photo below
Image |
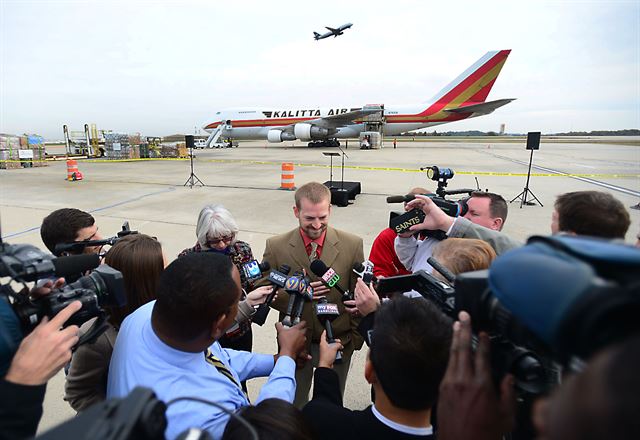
193	179
526	191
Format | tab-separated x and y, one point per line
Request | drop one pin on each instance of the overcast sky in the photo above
163	67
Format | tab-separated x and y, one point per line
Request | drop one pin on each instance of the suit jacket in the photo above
330	420
340	251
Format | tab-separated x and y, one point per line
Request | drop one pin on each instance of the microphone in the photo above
277	278
329	278
446	273
75	264
252	270
365	271
327	312
401	199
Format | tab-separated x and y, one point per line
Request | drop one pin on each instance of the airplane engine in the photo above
306	132
279	136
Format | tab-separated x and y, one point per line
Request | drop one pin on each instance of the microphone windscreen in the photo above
358	267
75	264
396	199
318	267
264	266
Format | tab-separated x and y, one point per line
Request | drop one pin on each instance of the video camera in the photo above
558	299
401	222
20	314
77	247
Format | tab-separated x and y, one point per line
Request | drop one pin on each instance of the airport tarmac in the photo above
151	196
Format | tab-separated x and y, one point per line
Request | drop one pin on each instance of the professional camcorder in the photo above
20	314
401	222
558	299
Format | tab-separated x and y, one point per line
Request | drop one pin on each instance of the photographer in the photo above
406	361
170	345
414	253
39	357
69	225
383	254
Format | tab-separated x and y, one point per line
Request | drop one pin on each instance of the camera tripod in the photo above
193	179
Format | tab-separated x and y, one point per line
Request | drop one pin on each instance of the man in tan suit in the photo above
314	238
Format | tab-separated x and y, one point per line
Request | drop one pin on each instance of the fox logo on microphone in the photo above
330	277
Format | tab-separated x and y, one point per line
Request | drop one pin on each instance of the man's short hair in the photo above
497	204
410	350
62	226
193	292
461	255
593	213
315	192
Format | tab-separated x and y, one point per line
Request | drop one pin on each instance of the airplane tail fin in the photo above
472	86
316	35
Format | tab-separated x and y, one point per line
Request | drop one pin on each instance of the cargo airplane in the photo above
465	97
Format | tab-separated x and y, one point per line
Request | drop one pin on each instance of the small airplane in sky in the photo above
332	31
465	97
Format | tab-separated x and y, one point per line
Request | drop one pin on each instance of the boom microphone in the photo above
75	264
277	278
329	278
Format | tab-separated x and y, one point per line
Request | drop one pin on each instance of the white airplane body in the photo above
463	98
333	32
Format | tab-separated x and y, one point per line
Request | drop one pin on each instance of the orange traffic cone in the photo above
287	177
72	171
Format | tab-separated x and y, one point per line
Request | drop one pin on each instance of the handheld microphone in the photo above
327	312
329	278
365	271
446	273
253	270
277	278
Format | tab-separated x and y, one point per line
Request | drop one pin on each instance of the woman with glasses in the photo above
217	232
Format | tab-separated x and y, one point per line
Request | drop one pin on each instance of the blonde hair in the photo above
461	255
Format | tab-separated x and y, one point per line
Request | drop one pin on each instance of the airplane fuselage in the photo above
249	124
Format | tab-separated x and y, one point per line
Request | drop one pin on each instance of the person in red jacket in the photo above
383	255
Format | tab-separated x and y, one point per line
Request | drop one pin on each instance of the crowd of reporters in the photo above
185	332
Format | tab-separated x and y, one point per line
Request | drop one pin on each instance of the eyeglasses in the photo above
215	241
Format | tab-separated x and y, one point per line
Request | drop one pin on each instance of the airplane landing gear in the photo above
324	143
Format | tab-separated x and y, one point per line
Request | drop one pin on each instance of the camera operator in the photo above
406	361
170	345
39	357
383	254
67	225
593	213
414	253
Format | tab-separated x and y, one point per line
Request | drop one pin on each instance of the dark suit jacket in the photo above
330	420
340	251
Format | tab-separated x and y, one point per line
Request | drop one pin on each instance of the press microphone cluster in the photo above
277	278
299	289
329	278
